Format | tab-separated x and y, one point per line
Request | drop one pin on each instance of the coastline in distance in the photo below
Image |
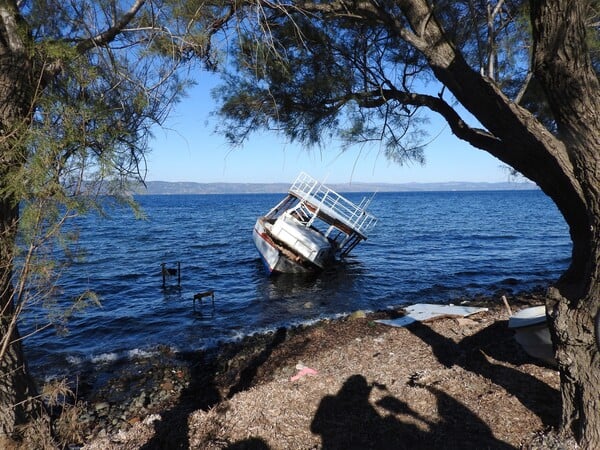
176	188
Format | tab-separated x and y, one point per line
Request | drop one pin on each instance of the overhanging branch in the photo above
479	138
109	35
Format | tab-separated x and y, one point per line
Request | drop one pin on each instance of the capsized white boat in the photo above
311	227
531	331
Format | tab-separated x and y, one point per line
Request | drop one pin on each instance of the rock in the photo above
140	400
357	315
101	406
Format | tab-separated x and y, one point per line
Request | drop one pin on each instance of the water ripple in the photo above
426	247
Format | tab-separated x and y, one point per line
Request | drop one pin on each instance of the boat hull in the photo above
273	258
532	333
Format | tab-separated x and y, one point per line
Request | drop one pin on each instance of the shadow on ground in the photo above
349	420
496	341
203	392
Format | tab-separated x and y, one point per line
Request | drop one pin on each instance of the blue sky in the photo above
187	149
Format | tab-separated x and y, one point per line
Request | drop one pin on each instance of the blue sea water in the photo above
426	247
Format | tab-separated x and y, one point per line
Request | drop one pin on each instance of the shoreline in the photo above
185	399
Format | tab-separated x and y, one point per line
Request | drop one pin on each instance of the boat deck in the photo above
333	207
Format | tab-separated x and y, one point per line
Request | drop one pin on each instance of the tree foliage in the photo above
105	75
318	70
100	75
314	79
81	85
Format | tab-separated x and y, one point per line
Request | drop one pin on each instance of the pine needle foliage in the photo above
82	84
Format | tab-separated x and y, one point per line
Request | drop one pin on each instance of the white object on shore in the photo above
421	312
532	333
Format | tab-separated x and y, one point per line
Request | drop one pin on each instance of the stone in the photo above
358	315
101	406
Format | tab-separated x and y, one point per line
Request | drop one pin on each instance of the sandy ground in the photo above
459	383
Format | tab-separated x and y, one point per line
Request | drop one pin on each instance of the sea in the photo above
426	247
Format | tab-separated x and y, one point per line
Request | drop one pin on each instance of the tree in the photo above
81	83
527	71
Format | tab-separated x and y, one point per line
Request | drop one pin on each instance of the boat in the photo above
311	228
532	333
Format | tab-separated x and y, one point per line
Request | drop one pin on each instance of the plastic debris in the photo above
422	312
303	371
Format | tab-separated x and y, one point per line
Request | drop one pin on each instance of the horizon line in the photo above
524	182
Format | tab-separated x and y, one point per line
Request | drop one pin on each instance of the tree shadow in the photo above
497	342
348	420
202	393
171	432
248	444
248	374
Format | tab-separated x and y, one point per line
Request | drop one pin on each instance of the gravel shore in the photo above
347	383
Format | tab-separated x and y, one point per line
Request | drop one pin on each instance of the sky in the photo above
186	148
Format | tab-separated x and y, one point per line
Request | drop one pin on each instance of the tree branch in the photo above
513	134
10	17
479	138
523	89
109	35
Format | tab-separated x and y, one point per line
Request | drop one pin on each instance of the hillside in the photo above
172	188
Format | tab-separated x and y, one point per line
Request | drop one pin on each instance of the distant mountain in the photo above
172	188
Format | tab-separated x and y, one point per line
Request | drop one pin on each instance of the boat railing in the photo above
333	204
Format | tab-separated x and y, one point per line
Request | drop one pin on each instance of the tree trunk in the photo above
17	88
579	363
566	166
561	63
16	385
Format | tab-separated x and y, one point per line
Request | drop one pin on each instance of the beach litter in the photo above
303	371
422	312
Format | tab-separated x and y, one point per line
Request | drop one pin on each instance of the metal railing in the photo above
333	204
